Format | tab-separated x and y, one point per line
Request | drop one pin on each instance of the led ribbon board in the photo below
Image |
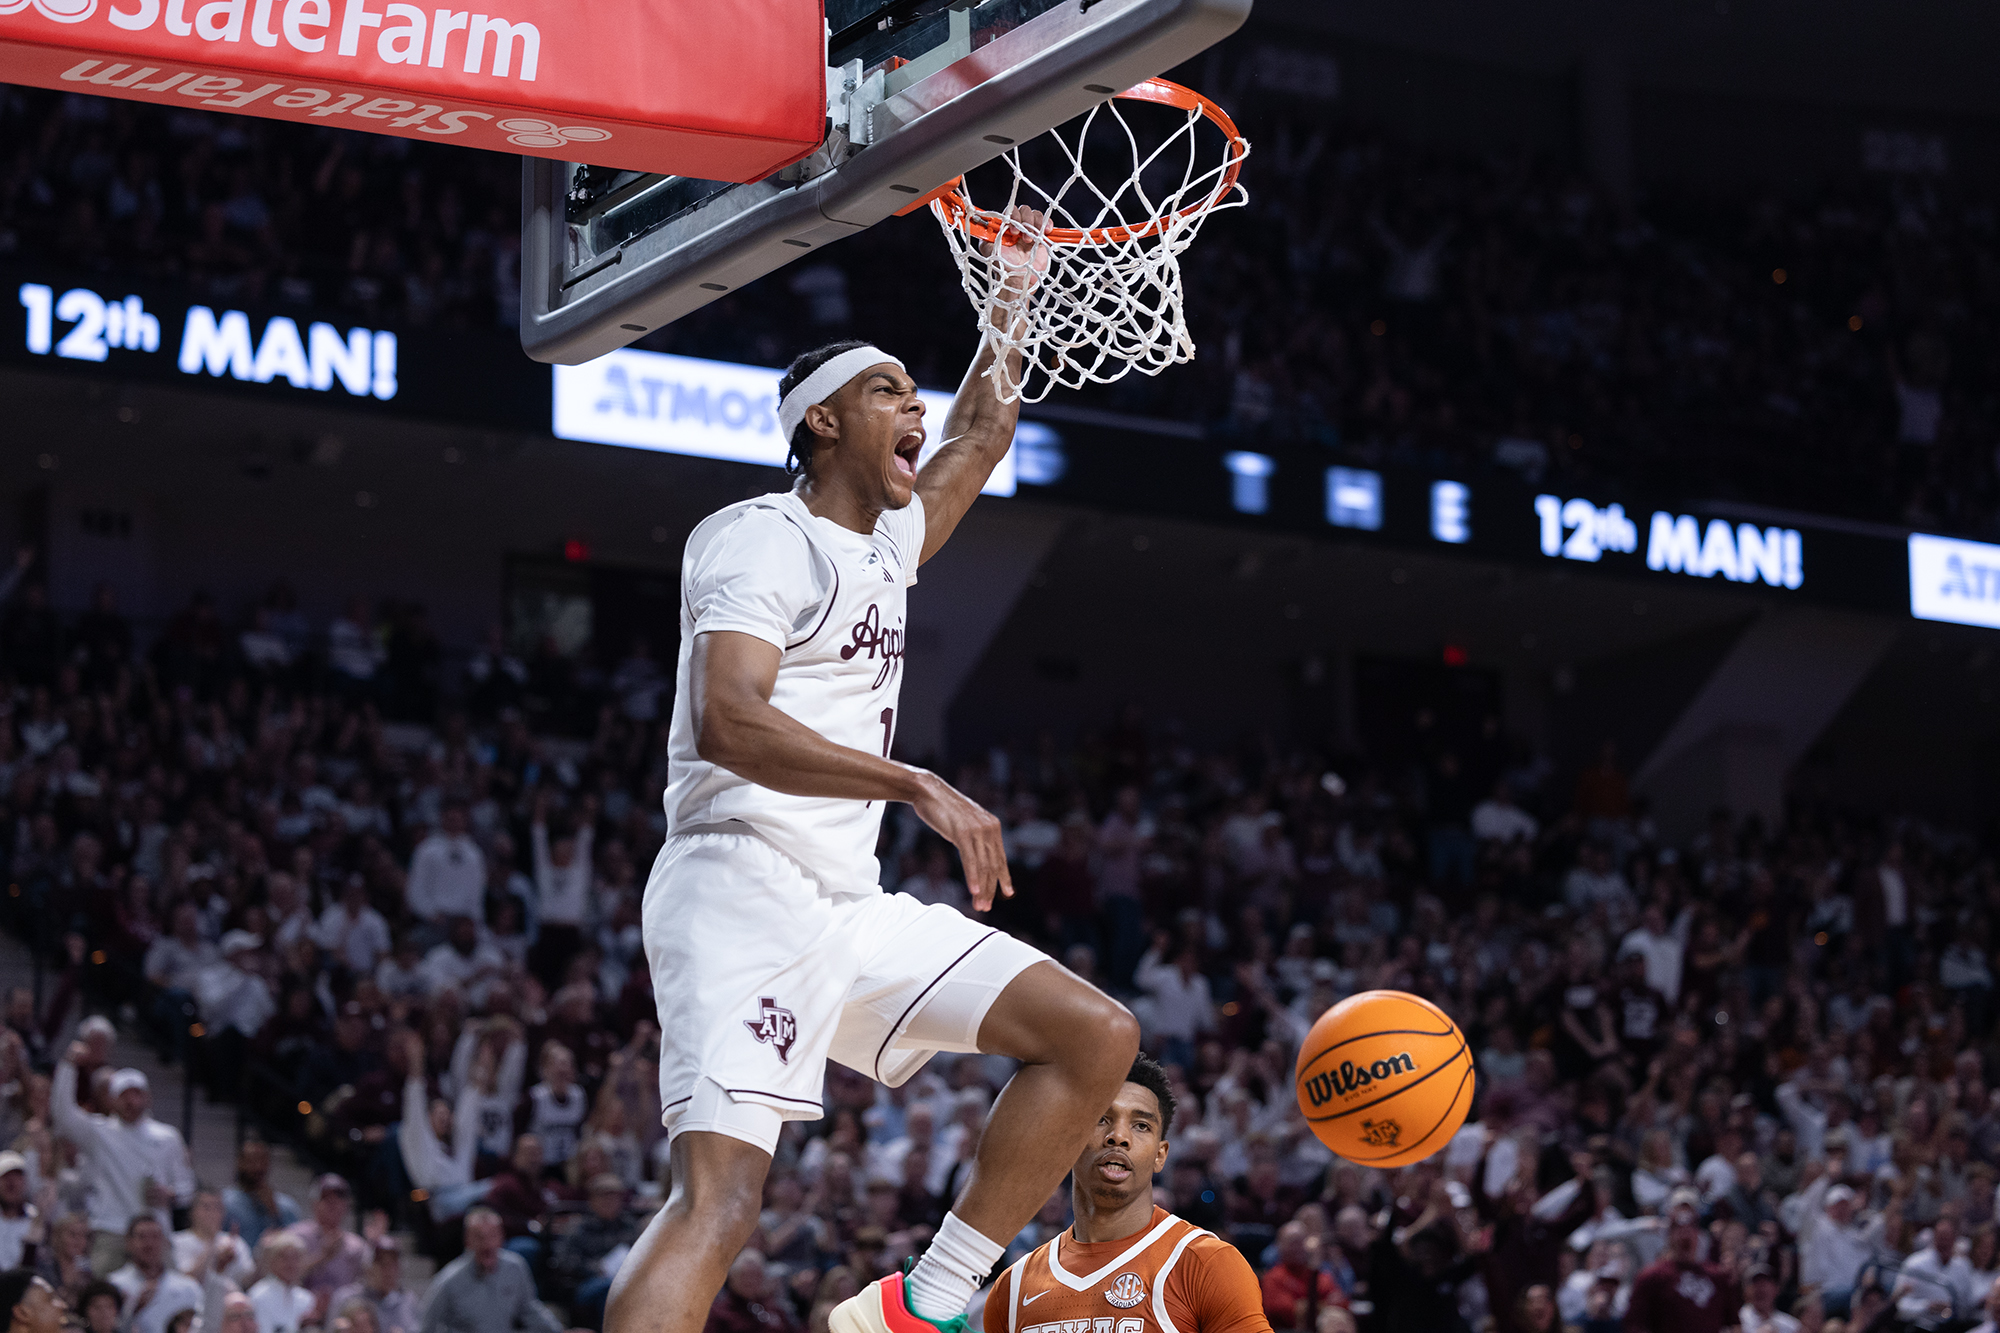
711	409
633	84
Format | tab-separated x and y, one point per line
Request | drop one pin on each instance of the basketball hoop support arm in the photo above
895	135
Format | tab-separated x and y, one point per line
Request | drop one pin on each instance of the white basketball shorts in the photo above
761	978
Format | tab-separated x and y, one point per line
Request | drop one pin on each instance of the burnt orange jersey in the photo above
1173	1277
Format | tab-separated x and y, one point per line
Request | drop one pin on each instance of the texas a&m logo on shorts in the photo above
1125	1291
775	1026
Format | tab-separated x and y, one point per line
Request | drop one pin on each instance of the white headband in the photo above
822	383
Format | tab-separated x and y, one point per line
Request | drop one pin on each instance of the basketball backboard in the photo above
918	93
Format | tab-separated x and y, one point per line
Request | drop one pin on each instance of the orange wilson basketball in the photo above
1384	1078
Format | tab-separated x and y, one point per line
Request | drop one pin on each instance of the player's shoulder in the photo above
760	513
1205	1249
762	524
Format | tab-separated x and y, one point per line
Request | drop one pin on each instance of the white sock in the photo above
942	1283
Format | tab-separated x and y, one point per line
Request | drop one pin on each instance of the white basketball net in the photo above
1110	301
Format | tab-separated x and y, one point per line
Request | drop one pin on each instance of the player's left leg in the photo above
1076	1045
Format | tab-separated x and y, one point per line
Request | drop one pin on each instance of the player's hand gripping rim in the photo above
1023	252
974	831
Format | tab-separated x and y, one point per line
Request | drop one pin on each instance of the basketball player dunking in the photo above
771	944
1127	1264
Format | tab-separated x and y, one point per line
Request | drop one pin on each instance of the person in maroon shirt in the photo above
1298	1286
1679	1293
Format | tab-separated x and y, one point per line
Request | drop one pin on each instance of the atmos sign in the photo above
1954	580
708	409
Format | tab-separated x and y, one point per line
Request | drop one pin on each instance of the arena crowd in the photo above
1741	1081
1385	302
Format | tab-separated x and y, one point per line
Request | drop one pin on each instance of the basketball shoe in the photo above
880	1307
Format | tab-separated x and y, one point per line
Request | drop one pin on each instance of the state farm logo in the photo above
524	132
61	11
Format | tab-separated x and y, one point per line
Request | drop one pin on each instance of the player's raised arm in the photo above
980	427
731	676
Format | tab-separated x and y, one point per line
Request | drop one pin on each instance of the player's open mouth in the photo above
907	450
1115	1169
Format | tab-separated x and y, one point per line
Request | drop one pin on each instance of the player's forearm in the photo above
977	413
761	743
978	431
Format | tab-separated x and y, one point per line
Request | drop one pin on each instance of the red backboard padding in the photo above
716	89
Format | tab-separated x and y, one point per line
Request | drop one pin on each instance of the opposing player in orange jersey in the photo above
1127	1266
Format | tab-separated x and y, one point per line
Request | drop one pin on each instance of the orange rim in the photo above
951	196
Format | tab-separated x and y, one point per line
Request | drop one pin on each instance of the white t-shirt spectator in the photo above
280	1309
174	965
402	983
1830	1255
557	1120
175	1292
1497	821
1963	967
13	1235
1895	897
357	941
469	974
354	653
116	1159
188	1249
563	892
1182	1005
426	1161
1584	889
447	878
1715	1177
1664	954
1928	1279
1030	841
1777	1321
232	997
928	888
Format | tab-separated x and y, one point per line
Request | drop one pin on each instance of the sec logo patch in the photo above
1126	1291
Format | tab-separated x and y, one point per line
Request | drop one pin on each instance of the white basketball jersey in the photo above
832	602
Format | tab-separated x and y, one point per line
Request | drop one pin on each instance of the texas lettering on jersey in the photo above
1101	1324
1173	1277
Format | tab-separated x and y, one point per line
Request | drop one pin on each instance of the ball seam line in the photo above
1382	1032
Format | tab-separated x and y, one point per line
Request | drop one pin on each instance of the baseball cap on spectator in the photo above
12	1161
1839	1194
125	1080
1759	1273
606	1182
330	1184
388	1245
1683	1200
